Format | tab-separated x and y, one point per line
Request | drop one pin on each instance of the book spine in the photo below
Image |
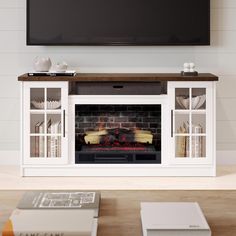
36	141
196	142
48	138
187	151
181	143
36	233
9	230
41	140
52	147
59	140
53	140
51	74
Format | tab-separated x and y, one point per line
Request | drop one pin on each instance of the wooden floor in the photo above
120	210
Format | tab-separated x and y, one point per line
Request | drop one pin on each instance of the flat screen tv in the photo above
118	22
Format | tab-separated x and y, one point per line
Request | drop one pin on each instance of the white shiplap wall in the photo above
219	58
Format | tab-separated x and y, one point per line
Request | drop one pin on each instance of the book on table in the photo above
59	222
173	219
61	199
55	213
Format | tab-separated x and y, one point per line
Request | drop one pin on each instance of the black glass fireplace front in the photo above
116	134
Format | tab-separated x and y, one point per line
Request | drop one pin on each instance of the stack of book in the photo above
183	142
173	219
53	142
53	73
55	213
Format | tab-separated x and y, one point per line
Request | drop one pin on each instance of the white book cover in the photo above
51	222
173	219
61	199
197	141
53	139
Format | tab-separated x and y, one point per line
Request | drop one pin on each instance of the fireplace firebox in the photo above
116	134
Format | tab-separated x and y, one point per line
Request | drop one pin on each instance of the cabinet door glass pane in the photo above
181	123
198	99
198	146
37	146
54	123
198	123
182	99
37	125
182	147
53	98
37	99
53	146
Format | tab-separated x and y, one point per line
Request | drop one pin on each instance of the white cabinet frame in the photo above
63	112
209	113
170	165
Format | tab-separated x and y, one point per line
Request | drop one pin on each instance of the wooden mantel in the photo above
121	77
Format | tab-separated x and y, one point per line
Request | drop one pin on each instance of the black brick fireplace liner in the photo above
121	124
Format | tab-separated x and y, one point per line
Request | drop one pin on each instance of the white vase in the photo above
42	64
61	67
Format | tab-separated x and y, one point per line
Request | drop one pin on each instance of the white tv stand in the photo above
52	152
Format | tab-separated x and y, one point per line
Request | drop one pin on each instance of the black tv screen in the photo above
118	22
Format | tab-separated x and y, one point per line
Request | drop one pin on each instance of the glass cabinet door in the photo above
190	123
46	123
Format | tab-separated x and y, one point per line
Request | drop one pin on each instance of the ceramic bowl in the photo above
38	104
183	102
61	67
53	104
50	104
202	100
195	101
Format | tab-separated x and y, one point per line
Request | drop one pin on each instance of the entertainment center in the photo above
118	125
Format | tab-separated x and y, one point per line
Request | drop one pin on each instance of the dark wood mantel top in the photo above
121	77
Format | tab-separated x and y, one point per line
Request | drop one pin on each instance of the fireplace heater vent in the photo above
112	158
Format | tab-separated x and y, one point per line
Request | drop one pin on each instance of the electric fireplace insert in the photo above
116	134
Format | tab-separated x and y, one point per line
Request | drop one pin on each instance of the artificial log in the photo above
94	137
110	136
143	136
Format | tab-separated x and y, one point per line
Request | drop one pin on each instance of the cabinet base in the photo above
118	171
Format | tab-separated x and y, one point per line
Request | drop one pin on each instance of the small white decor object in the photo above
186	67
61	66
42	64
191	67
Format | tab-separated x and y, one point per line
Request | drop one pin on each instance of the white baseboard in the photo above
13	157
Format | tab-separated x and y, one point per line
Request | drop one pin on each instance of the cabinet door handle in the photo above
64	123
172	113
